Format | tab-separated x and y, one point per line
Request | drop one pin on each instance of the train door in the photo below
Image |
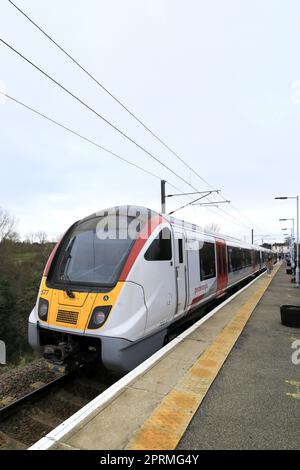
180	268
222	273
157	277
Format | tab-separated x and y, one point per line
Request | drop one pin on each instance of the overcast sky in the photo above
218	80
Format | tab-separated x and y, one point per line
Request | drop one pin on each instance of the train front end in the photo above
85	306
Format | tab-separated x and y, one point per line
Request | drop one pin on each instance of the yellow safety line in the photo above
167	424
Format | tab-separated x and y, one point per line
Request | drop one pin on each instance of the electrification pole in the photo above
297	280
163	196
203	194
297	261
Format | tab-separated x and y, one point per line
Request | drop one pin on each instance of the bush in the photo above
21	267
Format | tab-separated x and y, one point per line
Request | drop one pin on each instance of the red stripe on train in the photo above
139	243
50	259
197	299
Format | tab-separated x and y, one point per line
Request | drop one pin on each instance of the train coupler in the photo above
57	368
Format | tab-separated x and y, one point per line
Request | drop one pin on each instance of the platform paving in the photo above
230	384
128	419
254	403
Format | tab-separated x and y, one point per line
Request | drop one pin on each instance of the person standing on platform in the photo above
269	265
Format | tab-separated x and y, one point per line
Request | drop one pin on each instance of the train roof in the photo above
196	228
179	223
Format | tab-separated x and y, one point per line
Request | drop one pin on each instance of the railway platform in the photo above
228	382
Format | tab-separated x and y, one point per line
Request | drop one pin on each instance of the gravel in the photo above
18	382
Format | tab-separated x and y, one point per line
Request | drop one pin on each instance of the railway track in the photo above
30	417
27	419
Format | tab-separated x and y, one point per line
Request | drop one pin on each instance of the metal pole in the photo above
291	249
163	196
293	244
297	260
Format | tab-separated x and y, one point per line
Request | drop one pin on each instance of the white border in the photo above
60	431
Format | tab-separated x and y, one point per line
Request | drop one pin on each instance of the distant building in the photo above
280	248
268	246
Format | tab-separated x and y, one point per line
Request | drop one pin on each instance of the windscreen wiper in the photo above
70	293
66	259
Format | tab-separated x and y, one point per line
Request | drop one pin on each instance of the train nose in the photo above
72	312
77	299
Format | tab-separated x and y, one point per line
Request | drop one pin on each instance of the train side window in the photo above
161	248
243	258
180	250
257	257
236	258
207	261
233	259
249	257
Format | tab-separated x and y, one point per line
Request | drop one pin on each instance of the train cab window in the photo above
207	261
161	248
180	250
85	258
248	257
235	258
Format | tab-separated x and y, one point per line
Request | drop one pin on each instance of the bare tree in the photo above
36	237
41	237
30	237
8	225
212	227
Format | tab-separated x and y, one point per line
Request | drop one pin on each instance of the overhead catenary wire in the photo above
63	126
103	118
86	139
109	123
93	111
117	100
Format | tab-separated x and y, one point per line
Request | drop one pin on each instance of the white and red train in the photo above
118	280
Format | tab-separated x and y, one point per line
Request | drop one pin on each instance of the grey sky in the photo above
213	78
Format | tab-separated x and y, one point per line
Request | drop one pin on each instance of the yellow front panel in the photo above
70	308
75	312
109	298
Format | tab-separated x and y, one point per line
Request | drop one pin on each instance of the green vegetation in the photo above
21	267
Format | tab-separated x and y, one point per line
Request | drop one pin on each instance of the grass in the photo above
23	361
21	257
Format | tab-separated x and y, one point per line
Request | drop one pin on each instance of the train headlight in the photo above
43	309
99	316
